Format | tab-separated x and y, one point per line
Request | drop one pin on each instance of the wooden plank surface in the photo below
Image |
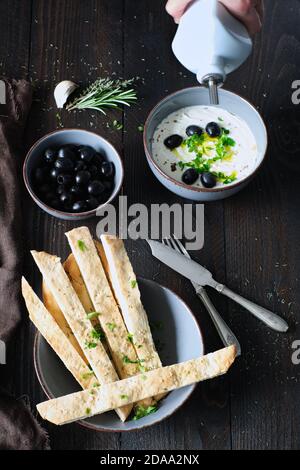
251	240
262	254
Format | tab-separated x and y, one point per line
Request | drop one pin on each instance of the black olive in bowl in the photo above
71	172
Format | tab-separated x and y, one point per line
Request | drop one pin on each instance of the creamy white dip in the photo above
243	155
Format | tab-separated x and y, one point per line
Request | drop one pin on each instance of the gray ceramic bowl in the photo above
179	339
78	137
200	96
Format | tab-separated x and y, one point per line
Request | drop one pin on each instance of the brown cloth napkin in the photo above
18	428
12	121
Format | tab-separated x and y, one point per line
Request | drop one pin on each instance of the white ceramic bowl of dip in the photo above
199	96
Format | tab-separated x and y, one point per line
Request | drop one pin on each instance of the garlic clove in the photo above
62	92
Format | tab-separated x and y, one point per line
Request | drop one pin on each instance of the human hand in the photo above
250	12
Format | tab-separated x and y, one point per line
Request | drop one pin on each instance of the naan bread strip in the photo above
73	272
148	401
110	318
52	333
128	296
126	290
84	404
69	303
55	311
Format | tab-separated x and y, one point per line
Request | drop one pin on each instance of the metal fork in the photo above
227	336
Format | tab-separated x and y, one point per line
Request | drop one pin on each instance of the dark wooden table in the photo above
251	240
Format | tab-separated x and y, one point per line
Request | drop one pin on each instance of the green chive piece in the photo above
92	315
86	375
130	338
141	411
81	245
126	360
97	333
90	344
111	326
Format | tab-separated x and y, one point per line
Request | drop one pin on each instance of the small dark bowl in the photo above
61	138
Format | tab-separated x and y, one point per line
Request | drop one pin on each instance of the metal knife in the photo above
197	273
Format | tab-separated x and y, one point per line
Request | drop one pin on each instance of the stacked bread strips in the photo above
94	320
119	339
88	338
73	272
79	405
111	321
59	342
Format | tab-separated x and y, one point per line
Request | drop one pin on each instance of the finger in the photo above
176	8
252	21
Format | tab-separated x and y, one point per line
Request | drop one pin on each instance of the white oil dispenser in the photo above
211	43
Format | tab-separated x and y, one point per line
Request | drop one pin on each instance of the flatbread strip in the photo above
52	333
73	272
127	293
110	318
84	404
128	296
69	303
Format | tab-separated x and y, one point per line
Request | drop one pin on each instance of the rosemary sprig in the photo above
105	93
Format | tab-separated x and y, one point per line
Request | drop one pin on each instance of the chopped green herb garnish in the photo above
118	125
141	411
96	384
59	120
90	344
88	411
203	146
92	315
225	179
124	397
111	326
126	360
133	283
97	333
86	375
81	245
130	338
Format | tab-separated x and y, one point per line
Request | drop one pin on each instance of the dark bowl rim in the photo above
58	213
38	336
151	160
